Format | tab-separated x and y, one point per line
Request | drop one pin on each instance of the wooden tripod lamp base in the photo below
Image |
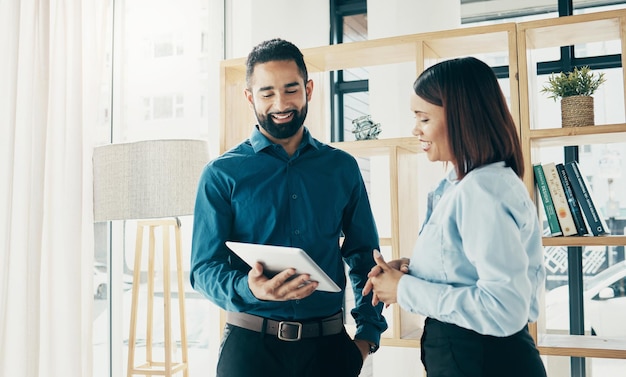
167	367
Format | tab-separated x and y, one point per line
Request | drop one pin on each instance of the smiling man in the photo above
283	187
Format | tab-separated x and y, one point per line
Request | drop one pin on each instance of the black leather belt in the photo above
290	331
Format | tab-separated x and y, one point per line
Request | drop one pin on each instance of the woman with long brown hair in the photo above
477	267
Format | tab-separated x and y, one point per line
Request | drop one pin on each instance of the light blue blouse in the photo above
478	260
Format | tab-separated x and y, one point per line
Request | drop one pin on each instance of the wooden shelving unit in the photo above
421	49
402	155
515	42
556	33
581	346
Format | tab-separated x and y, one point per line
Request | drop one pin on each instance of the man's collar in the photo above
260	141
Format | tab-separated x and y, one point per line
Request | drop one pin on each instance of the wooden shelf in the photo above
400	49
409	339
384	241
393	342
471	41
578	29
582	346
380	147
560	137
607	240
407	48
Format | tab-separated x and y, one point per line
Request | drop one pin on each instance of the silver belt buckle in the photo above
288	323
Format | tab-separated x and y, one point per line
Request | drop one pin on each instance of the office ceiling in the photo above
483	10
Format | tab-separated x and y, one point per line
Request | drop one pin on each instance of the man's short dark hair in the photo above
275	50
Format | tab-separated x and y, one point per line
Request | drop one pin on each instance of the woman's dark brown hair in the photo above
481	129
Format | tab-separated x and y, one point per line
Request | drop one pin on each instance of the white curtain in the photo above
51	66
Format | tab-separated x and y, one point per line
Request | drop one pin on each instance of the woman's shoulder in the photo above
496	178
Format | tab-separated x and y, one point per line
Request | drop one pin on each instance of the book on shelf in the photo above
559	200
574	206
584	196
546	200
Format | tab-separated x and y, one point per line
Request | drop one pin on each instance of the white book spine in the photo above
561	206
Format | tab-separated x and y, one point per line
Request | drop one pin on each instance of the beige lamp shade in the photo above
147	179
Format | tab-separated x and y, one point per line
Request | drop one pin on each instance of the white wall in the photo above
399	17
302	22
248	22
388	18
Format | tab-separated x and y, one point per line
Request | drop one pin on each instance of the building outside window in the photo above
158	87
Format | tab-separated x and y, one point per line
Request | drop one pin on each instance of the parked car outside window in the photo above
100	280
604	301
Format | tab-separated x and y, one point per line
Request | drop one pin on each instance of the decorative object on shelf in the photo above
151	181
364	128
575	89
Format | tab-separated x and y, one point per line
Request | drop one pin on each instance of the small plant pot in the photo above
577	111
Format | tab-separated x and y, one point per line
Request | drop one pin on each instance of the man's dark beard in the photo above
283	130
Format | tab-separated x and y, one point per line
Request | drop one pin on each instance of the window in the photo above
349	87
169	44
159	88
164	107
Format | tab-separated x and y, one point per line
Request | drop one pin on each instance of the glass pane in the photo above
101	295
493	11
603	166
161	84
591	6
354	29
603	267
158	77
597	48
608	102
355	105
559	366
606	367
604	298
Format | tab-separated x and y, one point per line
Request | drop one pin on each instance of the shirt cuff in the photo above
244	291
368	333
419	296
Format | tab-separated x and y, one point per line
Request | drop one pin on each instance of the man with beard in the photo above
283	187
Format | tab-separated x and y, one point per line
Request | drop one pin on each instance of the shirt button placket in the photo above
296	232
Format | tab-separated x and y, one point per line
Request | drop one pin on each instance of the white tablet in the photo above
278	258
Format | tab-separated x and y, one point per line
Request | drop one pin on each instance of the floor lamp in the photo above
154	182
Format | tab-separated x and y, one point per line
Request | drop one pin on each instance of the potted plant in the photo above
575	90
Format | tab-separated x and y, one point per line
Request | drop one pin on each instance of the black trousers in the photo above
451	351
246	353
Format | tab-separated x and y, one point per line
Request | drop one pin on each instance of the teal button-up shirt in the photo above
257	193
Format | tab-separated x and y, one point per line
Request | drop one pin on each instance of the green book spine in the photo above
546	199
